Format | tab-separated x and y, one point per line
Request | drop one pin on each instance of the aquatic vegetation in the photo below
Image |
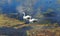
44	32
15	26
5	21
39	9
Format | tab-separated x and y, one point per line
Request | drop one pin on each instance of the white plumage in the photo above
27	17
33	20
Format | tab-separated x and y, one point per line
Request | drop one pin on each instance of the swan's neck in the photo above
24	13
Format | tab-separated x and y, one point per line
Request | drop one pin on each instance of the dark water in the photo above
10	31
44	5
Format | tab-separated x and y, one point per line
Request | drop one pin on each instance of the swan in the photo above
33	20
27	17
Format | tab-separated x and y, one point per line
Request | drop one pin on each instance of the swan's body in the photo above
33	20
26	17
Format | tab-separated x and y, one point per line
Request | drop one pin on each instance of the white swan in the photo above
21	11
33	20
27	17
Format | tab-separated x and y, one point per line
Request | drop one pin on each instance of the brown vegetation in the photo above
36	31
44	32
5	21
